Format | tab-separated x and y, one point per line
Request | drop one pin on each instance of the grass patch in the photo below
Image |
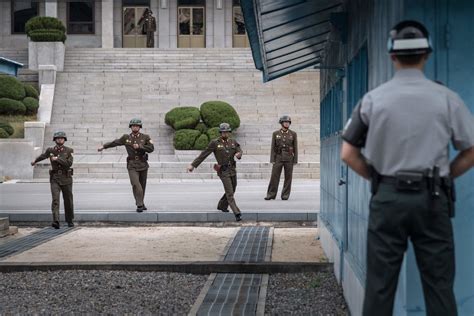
315	283
17	122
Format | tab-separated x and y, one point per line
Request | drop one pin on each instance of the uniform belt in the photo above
58	171
426	180
136	158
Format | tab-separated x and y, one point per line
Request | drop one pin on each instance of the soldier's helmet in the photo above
59	134
225	127
285	118
135	121
409	38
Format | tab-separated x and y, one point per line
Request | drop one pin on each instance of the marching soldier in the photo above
60	177
284	154
149	28
138	146
224	149
406	126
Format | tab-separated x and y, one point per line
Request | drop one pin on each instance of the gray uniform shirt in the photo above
411	122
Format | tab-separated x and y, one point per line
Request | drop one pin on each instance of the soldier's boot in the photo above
55	225
144	208
238	217
267	198
140	209
70	224
223	210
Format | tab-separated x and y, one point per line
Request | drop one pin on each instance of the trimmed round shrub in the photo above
201	127
214	113
11	88
213	133
184	139
186	117
47	36
201	142
31	105
7	128
31	91
11	107
3	133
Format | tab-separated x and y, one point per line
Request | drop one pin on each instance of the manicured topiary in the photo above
31	104
3	133
214	113
11	88
45	29
201	127
7	128
11	107
185	117
184	139
213	133
31	91
201	142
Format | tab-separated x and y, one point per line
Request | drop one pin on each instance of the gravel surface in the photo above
92	292
315	293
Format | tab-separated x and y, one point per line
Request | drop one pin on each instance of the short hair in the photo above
410	60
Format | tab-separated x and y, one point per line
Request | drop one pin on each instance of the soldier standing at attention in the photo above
149	28
138	147
406	126
224	149
284	154
60	177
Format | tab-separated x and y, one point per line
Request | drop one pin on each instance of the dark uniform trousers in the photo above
275	178
138	182
60	183
394	217
229	180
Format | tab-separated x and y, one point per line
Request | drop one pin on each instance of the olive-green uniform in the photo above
284	154
149	28
137	164
60	178
224	151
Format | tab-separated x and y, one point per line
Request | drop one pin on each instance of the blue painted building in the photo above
9	67
347	41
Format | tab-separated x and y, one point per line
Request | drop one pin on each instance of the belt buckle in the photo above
137	158
60	172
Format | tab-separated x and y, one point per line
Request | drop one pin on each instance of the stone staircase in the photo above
100	90
21	56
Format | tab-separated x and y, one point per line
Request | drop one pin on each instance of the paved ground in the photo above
161	196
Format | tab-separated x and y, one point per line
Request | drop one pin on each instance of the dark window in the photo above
22	11
131	3
80	18
192	2
236	3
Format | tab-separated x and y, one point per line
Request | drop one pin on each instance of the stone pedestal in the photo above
46	53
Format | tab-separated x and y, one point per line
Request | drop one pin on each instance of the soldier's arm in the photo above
295	148
43	156
204	154
118	142
148	146
273	150
66	162
239	151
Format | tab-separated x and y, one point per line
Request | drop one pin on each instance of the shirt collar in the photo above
409	73
283	131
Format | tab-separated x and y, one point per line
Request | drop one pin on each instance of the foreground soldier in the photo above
224	149
138	146
284	154
60	177
406	126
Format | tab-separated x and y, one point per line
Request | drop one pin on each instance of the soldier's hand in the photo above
238	155
100	148
136	146
190	168
33	163
54	158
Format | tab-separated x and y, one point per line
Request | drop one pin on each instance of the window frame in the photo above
68	22
12	17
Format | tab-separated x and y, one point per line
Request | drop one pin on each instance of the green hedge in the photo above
184	139
11	107
11	88
45	29
213	133
7	128
214	113
31	91
201	142
201	127
185	117
3	133
31	105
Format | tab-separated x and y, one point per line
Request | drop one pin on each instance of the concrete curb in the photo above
202	267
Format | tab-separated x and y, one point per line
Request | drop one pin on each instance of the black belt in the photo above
426	180
136	158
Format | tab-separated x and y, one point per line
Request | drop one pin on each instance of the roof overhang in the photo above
287	35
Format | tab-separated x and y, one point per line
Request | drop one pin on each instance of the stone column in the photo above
219	23
51	8
163	16
107	23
